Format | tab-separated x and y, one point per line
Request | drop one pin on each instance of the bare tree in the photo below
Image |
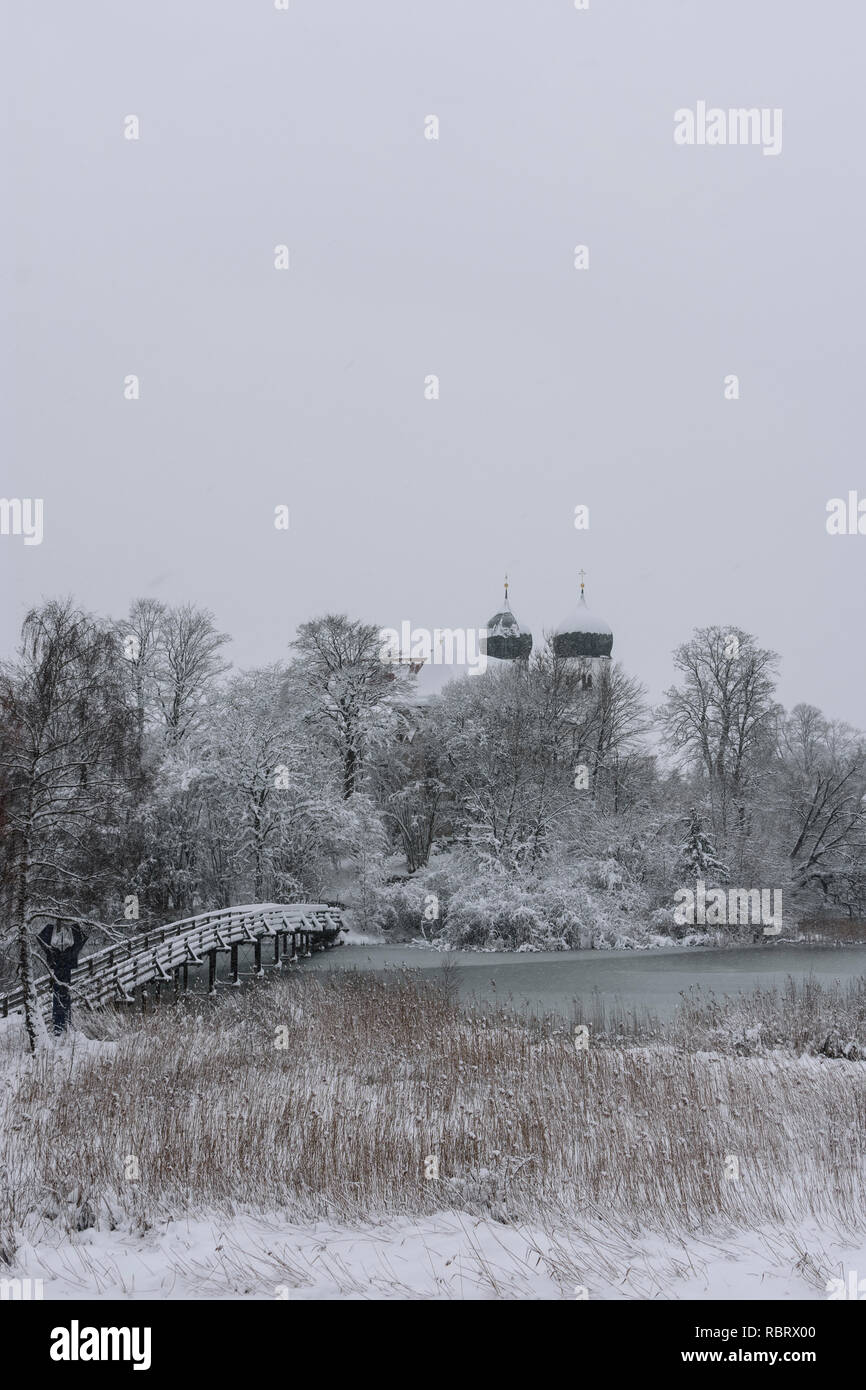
250	755
823	770
339	665
509	743
186	662
63	755
620	719
723	716
140	639
410	793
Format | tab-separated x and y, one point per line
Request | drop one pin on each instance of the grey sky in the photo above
454	257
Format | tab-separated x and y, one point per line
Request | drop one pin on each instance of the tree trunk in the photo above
34	1023
350	771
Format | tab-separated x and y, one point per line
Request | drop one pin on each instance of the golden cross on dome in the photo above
506	591
582	574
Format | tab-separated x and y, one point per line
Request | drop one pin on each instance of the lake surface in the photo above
565	982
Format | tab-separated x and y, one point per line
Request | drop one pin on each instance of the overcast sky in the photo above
410	257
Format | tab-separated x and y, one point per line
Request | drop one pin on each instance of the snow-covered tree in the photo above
347	688
720	721
821	777
65	745
270	799
698	858
187	660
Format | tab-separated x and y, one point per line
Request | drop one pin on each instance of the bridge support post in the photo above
234	963
176	983
259	970
277	949
185	978
294	946
211	972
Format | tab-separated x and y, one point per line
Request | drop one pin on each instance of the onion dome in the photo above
505	641
581	634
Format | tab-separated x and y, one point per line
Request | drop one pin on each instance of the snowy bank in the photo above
450	1255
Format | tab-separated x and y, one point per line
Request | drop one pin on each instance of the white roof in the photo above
581	620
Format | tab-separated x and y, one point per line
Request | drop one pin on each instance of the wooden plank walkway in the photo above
163	956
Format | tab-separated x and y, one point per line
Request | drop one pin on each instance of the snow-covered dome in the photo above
582	634
505	641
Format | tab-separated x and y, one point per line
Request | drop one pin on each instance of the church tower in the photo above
504	640
585	640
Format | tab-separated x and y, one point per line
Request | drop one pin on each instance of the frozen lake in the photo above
553	982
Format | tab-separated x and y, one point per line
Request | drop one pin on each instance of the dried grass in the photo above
380	1072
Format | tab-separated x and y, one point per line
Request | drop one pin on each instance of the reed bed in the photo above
800	1017
325	1096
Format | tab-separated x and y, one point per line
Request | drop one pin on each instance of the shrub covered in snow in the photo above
592	904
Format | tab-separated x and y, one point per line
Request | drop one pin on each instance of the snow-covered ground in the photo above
449	1256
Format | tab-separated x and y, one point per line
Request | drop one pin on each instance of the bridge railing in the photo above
117	970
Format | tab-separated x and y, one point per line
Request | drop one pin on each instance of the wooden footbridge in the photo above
162	958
